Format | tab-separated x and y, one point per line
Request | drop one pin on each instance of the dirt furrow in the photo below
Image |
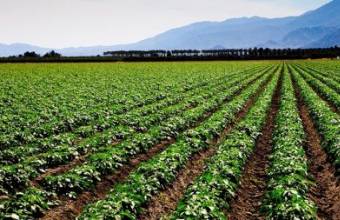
64	168
166	201
58	170
326	192
247	201
322	97
69	209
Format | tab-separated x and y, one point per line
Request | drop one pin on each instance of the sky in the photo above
67	23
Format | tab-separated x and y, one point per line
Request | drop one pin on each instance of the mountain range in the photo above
314	29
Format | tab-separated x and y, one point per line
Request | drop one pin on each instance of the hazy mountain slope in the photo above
330	40
18	48
327	15
271	44
250	32
314	29
87	51
232	33
304	36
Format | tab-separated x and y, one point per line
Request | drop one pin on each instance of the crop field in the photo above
172	140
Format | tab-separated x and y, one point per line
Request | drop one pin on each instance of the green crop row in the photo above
66	101
25	211
16	176
211	193
89	121
328	93
289	181
327	122
109	159
127	199
323	77
329	70
139	119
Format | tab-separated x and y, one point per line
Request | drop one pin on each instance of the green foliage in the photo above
153	175
102	115
289	181
211	193
327	121
28	205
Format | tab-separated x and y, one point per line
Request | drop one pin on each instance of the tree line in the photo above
33	54
182	55
232	54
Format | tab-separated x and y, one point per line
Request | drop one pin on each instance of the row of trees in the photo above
33	54
252	53
179	55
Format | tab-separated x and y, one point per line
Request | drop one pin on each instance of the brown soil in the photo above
70	209
64	168
253	182
58	170
326	192
75	162
133	108
166	201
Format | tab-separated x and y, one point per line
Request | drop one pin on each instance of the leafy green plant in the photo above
327	122
211	192
127	198
289	181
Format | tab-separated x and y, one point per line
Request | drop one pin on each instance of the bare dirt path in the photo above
254	179
70	209
81	159
326	192
166	201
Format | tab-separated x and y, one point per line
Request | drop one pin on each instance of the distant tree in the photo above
31	54
168	53
251	53
52	54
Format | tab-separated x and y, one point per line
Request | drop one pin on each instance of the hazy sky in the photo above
64	23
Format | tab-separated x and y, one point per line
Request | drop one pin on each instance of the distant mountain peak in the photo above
326	15
218	47
317	28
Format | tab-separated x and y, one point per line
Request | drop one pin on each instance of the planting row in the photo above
323	77
327	122
14	177
289	180
110	159
127	199
328	93
210	194
137	119
327	69
66	101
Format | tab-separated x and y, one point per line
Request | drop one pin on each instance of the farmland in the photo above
171	140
